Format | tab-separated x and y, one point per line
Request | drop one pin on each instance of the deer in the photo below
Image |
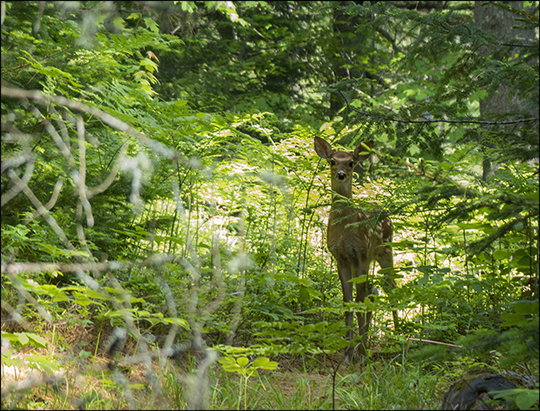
355	239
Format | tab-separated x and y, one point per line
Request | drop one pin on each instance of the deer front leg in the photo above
345	274
364	319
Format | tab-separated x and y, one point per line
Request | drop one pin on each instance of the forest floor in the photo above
89	383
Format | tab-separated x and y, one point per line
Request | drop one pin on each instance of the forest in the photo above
166	195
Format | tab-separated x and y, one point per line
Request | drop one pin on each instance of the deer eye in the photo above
332	162
351	163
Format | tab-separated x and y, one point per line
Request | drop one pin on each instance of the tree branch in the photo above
9	90
442	120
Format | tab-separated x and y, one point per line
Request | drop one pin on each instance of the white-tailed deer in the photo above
353	238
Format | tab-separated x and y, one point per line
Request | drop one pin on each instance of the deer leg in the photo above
386	260
363	290
345	274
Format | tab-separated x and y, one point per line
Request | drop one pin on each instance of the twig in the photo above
442	120
409	339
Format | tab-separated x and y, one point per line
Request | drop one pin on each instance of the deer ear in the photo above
323	148
360	148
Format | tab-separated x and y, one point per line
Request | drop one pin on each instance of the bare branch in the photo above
112	175
51	203
82	173
54	134
11	91
80	230
22	185
19	267
16	316
61	125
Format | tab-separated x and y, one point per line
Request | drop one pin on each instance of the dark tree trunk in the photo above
499	22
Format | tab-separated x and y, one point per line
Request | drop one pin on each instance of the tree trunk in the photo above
498	21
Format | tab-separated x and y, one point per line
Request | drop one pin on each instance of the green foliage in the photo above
246	368
23	339
518	344
243	366
523	398
213	169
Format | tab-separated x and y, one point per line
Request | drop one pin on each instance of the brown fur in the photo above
354	247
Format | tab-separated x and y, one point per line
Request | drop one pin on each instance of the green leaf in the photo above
188	6
134	16
526	307
151	24
178	321
84	354
242	361
37	341
82	299
525	261
228	361
477	287
526	399
303	294
501	254
264	363
23	338
414	149
513	319
119	22
56	294
479	95
361	279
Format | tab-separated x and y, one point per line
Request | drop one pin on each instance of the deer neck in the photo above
344	189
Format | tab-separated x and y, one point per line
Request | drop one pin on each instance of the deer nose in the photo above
341	175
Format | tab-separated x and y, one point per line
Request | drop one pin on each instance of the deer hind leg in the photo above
386	260
345	274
